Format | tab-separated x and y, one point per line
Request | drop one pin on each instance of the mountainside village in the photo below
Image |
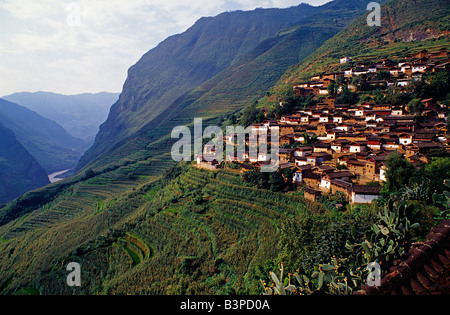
335	147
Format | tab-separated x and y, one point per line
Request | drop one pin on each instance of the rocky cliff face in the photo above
183	62
222	60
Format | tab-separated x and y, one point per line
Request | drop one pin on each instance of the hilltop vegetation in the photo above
405	29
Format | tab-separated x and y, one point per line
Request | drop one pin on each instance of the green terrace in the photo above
191	235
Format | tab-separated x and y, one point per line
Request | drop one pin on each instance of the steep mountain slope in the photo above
81	115
52	146
405	28
254	74
183	62
247	74
19	171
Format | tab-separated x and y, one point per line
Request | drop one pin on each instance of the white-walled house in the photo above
301	161
348	72
359	112
298	177
344	127
360	194
397	112
345	59
302	151
337	119
405	139
420	67
383	172
402	82
356	147
325	183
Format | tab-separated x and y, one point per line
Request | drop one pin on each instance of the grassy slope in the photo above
233	228
399	19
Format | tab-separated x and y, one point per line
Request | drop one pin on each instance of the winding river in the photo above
54	177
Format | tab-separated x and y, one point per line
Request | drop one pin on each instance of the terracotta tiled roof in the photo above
424	271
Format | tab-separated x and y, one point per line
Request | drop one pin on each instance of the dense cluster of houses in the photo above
395	74
343	148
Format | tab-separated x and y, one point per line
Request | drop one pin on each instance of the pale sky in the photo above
80	46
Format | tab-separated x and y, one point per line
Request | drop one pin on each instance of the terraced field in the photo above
158	238
81	211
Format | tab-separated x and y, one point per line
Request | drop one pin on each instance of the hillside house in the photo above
298	177
348	73
287	139
363	194
286	130
422	148
286	155
302	151
442	53
312	194
357	147
322	147
338	185
291	120
345	59
207	162
337	145
405	139
397	111
390	144
374	143
318	158
327	179
300	173
419	67
402	83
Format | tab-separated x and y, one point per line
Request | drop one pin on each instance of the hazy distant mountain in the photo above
81	115
49	143
19	170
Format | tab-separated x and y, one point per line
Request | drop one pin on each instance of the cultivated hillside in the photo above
192	232
406	28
